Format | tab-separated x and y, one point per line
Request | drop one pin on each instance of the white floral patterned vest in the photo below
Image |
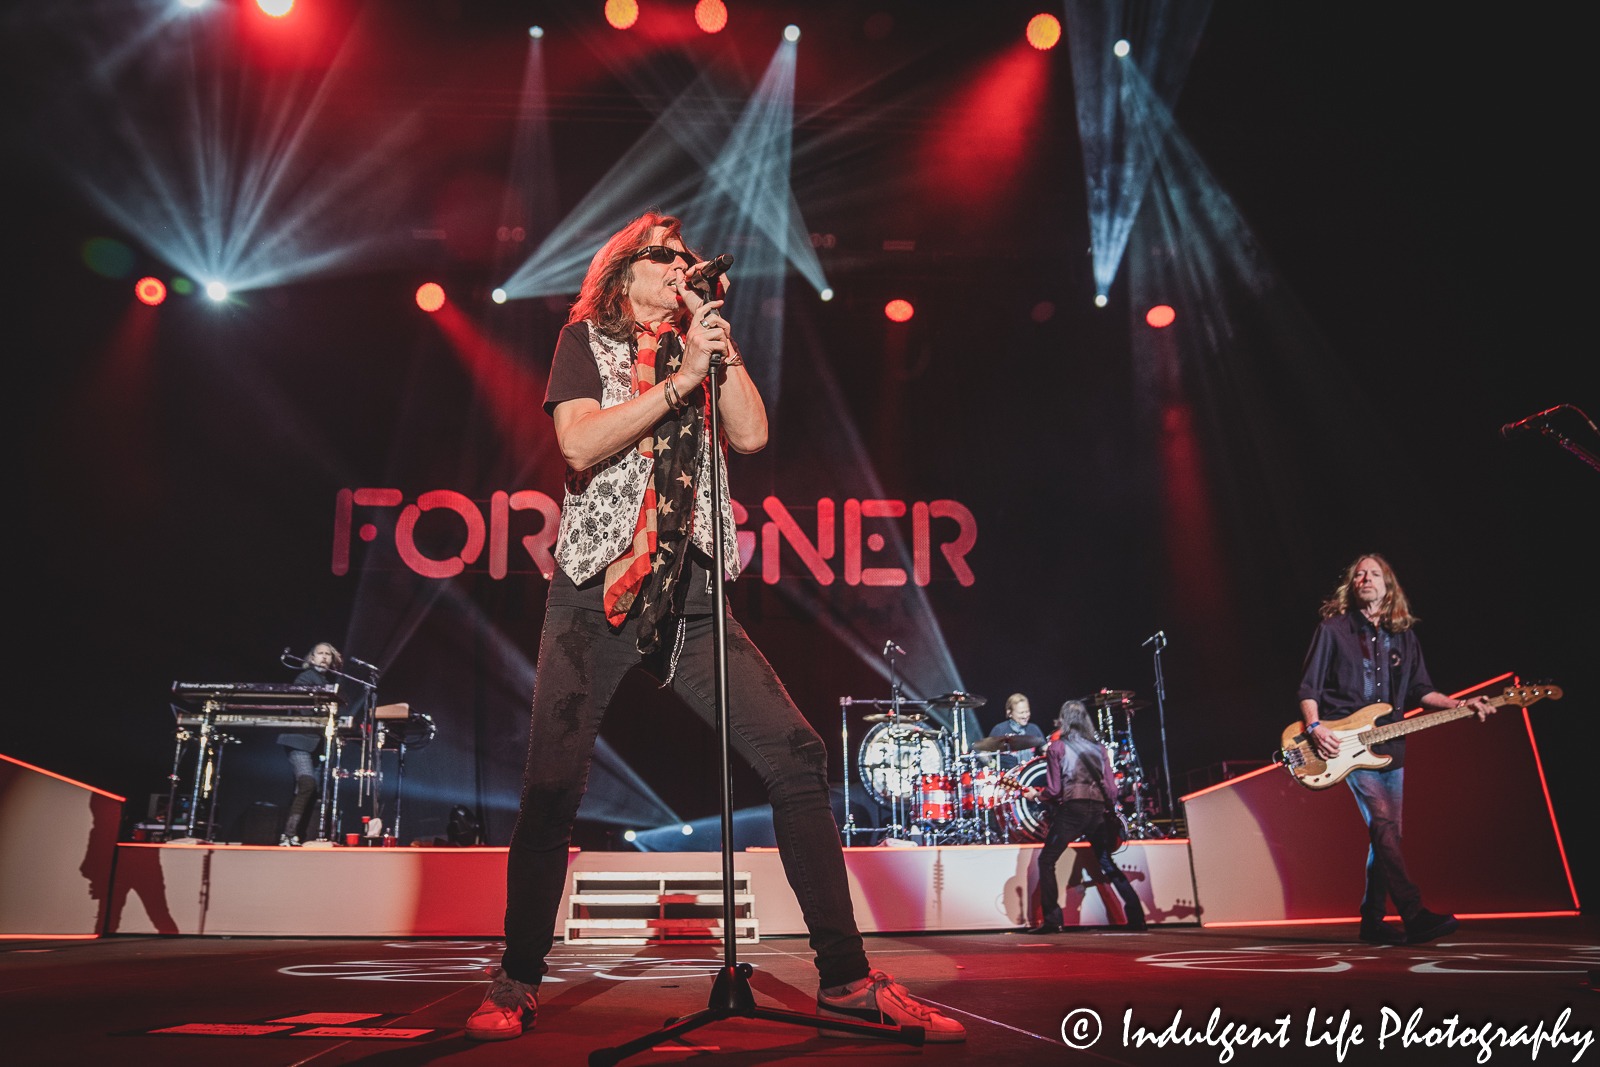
602	503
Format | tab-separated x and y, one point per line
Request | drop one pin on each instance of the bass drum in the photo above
1024	819
893	759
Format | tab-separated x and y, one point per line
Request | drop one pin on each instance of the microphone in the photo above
1159	635
887	645
361	663
706	277
1532	422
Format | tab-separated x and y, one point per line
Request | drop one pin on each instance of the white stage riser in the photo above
57	839
268	892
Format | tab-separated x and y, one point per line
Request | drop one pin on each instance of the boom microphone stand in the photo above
731	995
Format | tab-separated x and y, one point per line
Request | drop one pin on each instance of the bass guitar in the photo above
1356	734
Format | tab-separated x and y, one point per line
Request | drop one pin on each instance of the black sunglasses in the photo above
663	254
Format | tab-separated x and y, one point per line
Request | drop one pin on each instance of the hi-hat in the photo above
1112	696
905	716
958	699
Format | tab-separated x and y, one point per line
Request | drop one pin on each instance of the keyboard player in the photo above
302	748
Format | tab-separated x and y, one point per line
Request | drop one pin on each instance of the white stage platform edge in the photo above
246	891
57	840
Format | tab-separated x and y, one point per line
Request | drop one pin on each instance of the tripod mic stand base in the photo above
732	998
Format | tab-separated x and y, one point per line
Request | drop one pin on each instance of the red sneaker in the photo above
878	998
509	1008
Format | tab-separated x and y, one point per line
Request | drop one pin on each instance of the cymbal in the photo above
905	716
1112	696
958	699
1133	705
1008	743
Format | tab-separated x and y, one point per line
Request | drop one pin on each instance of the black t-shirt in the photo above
573	372
574	375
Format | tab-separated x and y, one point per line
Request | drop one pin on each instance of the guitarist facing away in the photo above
1079	792
1365	652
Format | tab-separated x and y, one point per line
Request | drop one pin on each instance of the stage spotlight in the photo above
629	836
498	296
535	31
430	296
622	13
217	291
899	310
826	294
1121	48
1044	31
275	8
191	3
1160	315
791	32
1100	300
150	291
711	15
687	829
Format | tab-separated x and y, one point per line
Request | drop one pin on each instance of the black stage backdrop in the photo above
176	469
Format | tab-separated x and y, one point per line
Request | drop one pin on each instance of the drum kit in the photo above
939	788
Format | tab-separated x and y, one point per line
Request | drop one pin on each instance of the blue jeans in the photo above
581	662
1380	796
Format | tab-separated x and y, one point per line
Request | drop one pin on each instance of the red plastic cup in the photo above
352	840
390	841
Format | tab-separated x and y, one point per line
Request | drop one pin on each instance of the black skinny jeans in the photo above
581	662
1070	821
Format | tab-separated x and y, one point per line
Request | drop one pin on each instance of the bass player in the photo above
1365	651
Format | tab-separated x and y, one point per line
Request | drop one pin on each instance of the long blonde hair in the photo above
338	660
604	297
1394	614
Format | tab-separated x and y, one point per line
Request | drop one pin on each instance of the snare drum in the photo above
934	803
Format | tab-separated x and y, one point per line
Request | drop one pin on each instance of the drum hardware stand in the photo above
1159	640
731	995
897	806
844	749
172	783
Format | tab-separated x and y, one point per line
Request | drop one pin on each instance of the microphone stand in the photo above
731	995
1159	640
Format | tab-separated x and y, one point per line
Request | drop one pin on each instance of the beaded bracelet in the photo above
671	392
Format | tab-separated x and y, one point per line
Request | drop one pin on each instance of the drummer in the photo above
1016	722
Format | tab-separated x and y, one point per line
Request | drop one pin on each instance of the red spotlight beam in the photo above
512	392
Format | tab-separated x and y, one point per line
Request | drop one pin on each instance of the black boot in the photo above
1427	925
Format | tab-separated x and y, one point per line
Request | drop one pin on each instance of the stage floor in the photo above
88	1002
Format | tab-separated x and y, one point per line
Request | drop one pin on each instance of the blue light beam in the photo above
655	170
219	175
746	207
1161	37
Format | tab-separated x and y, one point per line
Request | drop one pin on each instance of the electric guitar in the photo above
1355	734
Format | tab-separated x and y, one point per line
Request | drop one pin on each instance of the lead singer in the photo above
632	589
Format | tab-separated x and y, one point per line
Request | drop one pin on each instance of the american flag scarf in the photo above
648	578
